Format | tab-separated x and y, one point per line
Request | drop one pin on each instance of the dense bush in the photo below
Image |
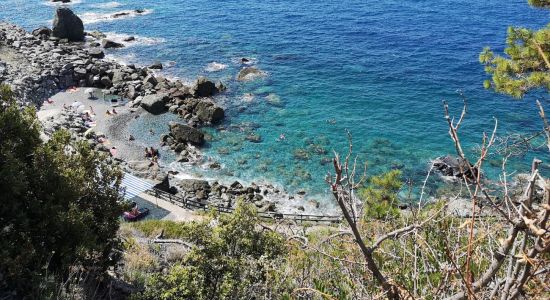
59	203
232	258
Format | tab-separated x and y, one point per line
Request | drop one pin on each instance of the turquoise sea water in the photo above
377	68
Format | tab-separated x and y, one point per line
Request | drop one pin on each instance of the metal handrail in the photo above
191	204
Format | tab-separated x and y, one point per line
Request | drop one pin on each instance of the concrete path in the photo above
164	210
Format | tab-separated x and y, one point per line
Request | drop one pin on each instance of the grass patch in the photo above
151	228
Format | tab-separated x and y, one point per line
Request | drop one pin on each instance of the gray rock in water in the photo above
455	167
67	25
254	138
249	73
105	43
186	134
203	87
155	104
209	112
97	34
96	53
157	66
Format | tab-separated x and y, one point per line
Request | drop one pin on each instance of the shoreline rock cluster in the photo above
226	195
46	64
40	64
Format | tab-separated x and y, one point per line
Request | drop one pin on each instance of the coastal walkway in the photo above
136	187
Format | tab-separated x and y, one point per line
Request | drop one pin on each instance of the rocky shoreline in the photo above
40	64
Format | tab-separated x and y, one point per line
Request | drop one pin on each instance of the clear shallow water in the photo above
377	68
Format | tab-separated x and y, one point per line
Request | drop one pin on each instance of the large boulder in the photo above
203	87
455	167
164	185
192	185
67	25
155	104
209	112
249	73
146	169
118	76
186	134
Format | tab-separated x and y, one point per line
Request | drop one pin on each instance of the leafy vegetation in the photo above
380	196
526	65
231	258
540	3
60	203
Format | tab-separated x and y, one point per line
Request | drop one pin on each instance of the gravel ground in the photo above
115	127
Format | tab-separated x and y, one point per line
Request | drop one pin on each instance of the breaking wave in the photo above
133	40
90	18
215	67
112	4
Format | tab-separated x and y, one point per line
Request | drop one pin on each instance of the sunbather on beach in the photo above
148	152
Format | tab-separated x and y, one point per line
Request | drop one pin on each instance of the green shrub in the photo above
60	202
380	196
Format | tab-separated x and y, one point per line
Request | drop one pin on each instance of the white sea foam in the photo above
273	99
112	4
90	18
248	98
215	67
125	59
48	3
137	41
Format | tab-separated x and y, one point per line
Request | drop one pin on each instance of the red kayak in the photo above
128	216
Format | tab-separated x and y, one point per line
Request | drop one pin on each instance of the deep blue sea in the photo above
379	69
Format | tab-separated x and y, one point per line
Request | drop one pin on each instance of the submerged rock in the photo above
249	73
67	25
254	138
